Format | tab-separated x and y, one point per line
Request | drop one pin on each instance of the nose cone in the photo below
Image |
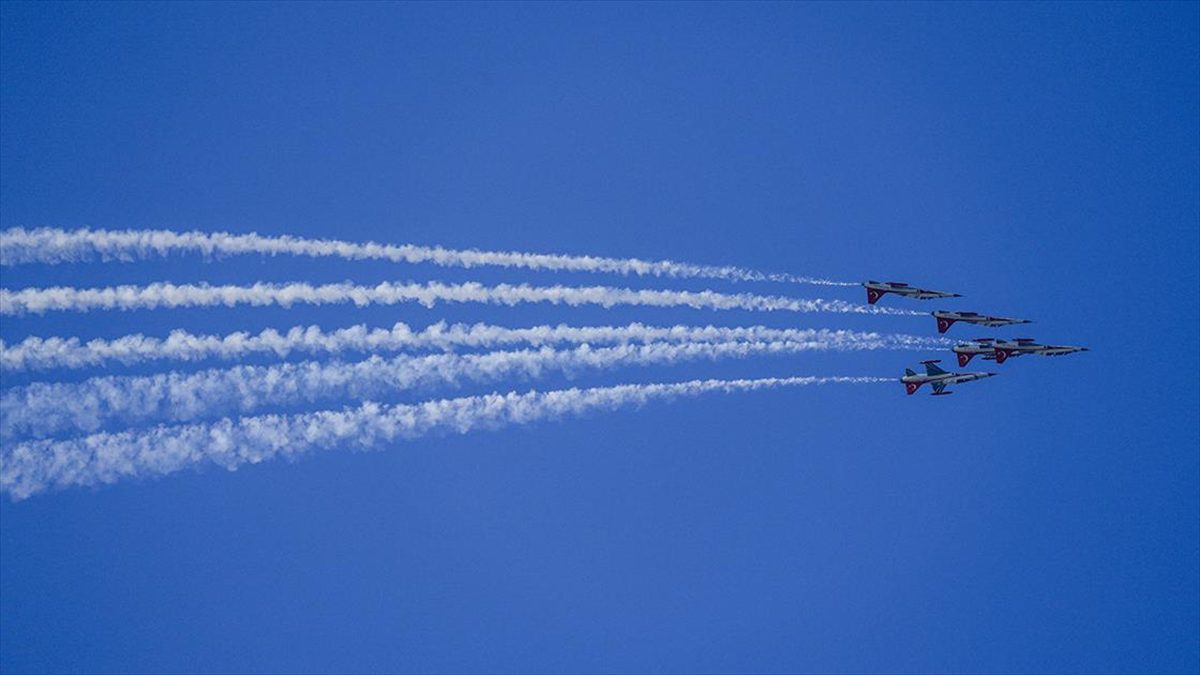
988	374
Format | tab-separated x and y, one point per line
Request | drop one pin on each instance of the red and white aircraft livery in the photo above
876	290
937	378
983	347
1006	348
947	319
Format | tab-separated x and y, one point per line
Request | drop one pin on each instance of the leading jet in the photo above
876	290
1003	349
937	378
947	319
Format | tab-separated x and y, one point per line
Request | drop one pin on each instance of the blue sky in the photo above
1042	159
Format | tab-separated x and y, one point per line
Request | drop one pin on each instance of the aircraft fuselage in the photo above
947	319
877	289
914	382
1005	349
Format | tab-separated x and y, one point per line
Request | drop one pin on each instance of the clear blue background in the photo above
1041	159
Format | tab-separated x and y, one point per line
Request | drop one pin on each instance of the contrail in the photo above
56	245
168	295
37	353
47	409
34	466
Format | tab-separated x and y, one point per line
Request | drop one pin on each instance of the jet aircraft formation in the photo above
989	349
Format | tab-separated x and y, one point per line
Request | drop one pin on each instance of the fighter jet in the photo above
946	319
876	289
984	347
1006	348
937	378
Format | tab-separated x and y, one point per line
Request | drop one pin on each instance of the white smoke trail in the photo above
46	409
34	466
55	245
36	353
159	295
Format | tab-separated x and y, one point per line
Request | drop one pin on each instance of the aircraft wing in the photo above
926	294
997	321
931	368
1059	350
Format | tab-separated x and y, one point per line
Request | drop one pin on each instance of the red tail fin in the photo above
912	387
873	296
944	324
964	359
1002	355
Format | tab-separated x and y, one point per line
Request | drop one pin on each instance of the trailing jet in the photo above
946	319
984	347
937	378
1006	348
876	289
